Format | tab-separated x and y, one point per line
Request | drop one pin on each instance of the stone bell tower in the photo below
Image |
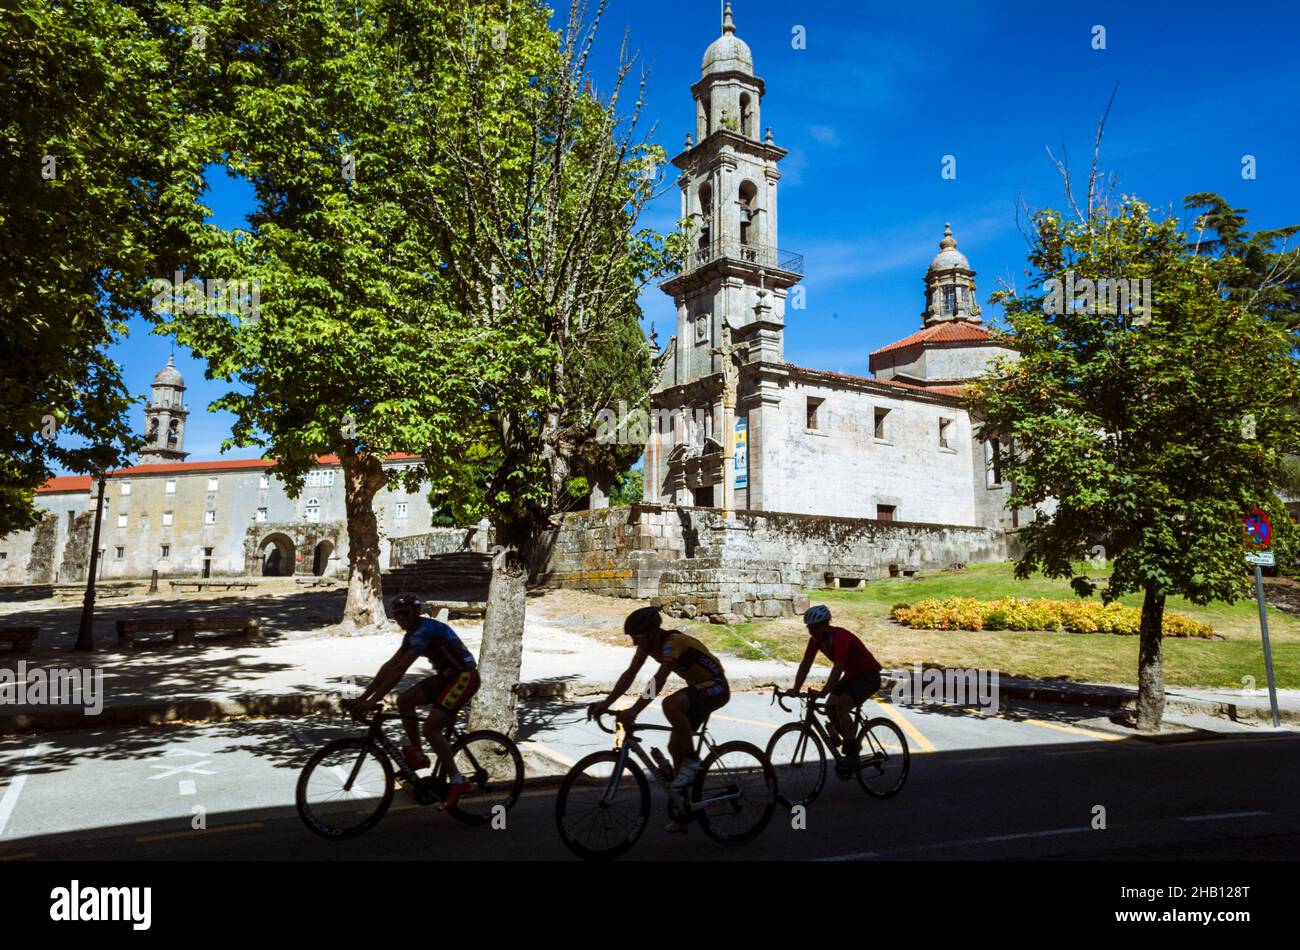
731	290
164	418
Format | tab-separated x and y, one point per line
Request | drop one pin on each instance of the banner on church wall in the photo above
742	453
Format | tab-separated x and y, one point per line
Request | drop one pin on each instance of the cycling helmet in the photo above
641	621
815	615
407	600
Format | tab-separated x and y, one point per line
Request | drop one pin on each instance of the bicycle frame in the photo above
813	721
632	744
376	735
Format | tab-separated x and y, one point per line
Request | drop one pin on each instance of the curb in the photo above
291	705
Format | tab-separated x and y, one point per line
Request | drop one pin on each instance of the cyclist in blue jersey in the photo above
455	680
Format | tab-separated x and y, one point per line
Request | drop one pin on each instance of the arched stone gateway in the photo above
276	552
321	560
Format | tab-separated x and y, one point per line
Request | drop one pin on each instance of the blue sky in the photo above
883	91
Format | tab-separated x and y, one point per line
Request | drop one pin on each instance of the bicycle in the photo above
798	749
354	779
732	798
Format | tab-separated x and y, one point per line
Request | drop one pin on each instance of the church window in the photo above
167	519
885	512
704	496
209	517
312	511
881	429
173	433
945	428
119	552
165	552
814	405
261	514
748	197
746	116
950	300
995	462
212	484
170	487
126	488
122	520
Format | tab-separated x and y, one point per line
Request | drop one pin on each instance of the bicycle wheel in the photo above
883	761
492	762
592	827
344	789
799	760
735	793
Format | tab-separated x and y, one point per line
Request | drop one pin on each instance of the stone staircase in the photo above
462	576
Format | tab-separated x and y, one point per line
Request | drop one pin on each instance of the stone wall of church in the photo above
840	469
411	548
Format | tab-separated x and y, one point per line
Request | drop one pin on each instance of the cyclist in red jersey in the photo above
854	678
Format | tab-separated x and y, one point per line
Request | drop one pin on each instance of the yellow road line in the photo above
749	722
246	826
923	744
1073	730
18	857
550	753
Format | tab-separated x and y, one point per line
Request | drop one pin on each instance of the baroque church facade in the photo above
753	432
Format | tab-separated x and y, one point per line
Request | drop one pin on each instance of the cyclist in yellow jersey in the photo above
687	709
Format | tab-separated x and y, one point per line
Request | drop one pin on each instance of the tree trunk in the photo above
1151	674
502	652
363	477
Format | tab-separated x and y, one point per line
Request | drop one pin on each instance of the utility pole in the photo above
85	634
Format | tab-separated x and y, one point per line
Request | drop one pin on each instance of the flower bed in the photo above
1010	613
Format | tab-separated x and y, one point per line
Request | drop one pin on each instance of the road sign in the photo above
1259	530
1261	558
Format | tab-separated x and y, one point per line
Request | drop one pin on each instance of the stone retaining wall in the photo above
409	549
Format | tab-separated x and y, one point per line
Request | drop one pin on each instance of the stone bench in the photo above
20	639
183	629
465	608
212	585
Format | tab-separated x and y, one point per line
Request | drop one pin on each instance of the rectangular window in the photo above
171	487
313	478
167	519
119	552
949	300
327	477
400	509
126	488
880	428
165	552
813	406
121	520
995	462
945	427
4	555
261	514
264	481
209	517
885	512
212	483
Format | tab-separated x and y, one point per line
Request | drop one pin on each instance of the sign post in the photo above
1259	537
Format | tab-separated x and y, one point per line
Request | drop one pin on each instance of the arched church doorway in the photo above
321	560
277	554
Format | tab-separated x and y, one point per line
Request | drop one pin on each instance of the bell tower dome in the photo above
164	418
950	285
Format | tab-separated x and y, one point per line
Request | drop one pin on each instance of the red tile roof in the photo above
957	331
71	483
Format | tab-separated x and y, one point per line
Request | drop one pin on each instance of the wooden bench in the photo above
20	639
183	629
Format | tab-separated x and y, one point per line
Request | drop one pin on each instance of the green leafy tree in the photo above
91	172
341	354
1268	281
1153	432
546	259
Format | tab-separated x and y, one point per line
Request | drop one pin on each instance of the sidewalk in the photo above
300	674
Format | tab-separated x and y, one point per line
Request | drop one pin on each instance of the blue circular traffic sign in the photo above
1259	530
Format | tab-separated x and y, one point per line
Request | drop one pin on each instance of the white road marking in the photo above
967	842
1226	814
15	788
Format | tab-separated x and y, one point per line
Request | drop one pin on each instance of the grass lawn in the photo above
1084	657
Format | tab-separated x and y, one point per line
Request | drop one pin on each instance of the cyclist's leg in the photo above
407	704
839	706
677	710
456	690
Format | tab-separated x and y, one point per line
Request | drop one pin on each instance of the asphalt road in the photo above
1026	784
